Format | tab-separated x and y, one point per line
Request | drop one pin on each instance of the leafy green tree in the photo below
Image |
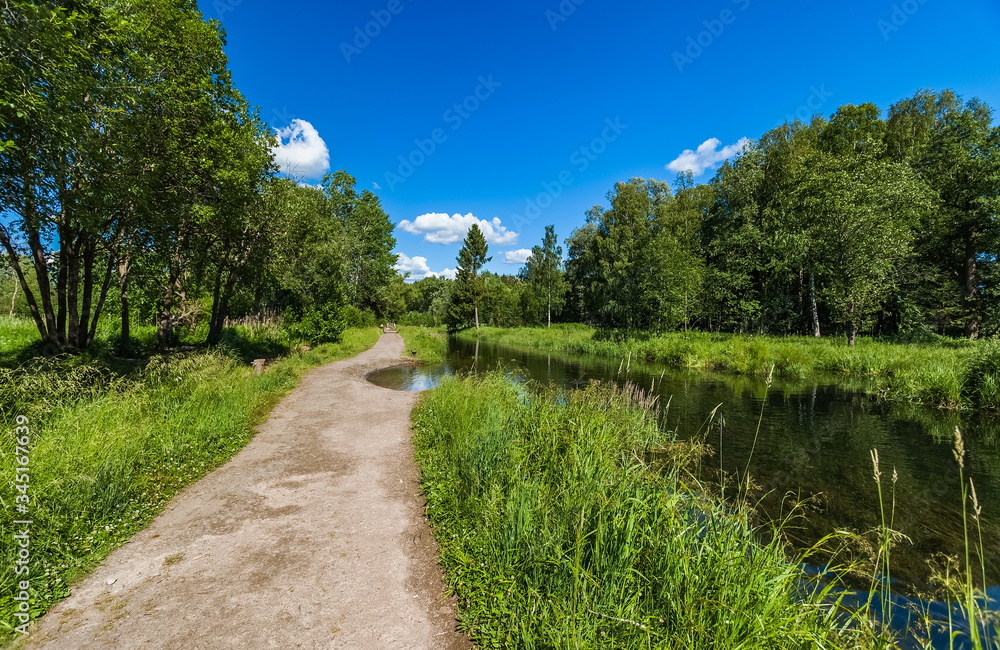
545	277
864	208
368	245
581	270
952	146
502	300
309	260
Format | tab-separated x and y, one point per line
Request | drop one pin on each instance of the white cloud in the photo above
300	151
520	256
707	156
439	228
417	267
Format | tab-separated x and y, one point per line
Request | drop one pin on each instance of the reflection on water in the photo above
411	377
814	441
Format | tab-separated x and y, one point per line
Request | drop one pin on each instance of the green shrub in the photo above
320	324
982	377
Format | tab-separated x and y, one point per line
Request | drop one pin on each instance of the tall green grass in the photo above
111	443
944	373
562	526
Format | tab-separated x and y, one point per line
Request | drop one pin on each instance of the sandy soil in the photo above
313	536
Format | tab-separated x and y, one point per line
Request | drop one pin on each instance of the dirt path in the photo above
313	536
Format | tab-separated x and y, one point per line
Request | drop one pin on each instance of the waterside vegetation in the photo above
946	373
571	520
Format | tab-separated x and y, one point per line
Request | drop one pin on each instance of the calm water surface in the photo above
815	440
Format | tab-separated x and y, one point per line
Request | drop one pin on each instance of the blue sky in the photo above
518	115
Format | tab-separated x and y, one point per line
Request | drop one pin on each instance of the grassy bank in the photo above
568	523
945	373
111	441
427	344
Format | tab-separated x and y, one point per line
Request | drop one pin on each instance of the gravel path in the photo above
313	536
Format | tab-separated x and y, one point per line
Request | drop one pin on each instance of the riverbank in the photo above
951	374
571	521
113	440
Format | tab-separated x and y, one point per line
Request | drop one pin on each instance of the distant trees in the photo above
545	279
469	286
638	264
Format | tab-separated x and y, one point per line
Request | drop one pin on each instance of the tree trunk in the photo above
970	291
53	335
476	311
101	300
812	305
164	328
15	263
89	259
800	295
852	334
214	331
124	276
220	307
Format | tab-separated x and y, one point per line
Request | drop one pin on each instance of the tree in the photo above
955	150
544	275
368	244
309	260
469	287
864	208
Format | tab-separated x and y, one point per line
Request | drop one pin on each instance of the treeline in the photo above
135	179
856	223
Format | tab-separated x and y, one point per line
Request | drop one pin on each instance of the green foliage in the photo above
469	288
322	323
543	273
854	224
982	377
195	229
566	521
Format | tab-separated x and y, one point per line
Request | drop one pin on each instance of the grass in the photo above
946	373
569	521
427	344
110	441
